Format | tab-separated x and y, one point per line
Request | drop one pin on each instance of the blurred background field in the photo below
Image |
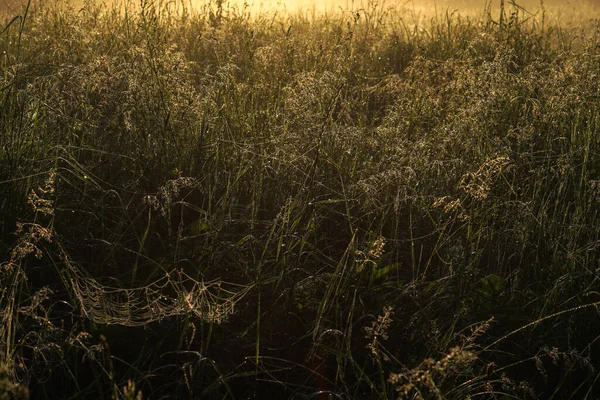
425	6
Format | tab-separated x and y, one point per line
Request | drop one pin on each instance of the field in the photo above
372	203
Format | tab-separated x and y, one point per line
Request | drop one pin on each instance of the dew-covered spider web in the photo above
175	294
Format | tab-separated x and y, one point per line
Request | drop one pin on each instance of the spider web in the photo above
174	294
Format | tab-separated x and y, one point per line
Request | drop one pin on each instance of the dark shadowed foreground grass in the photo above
371	204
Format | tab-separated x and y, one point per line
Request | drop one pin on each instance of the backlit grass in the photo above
372	203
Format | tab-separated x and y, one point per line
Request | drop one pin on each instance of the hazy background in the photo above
417	4
15	6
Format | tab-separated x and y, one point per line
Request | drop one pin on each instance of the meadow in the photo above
372	203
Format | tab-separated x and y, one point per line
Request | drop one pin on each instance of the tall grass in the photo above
371	203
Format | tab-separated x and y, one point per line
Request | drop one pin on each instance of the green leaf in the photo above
491	286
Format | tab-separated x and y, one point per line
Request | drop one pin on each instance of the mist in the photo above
465	6
266	6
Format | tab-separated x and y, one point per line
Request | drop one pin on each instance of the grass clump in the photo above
371	203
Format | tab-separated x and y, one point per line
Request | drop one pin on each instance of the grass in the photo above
370	203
